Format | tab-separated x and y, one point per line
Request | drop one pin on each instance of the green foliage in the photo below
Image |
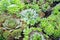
13	9
3	5
29	16
35	7
6	35
56	9
16	33
40	2
2	18
19	3
33	34
1	36
44	23
49	30
50	1
57	33
45	7
36	36
12	23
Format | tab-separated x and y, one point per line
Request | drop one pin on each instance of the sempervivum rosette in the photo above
2	19
13	28
29	16
33	34
56	10
12	23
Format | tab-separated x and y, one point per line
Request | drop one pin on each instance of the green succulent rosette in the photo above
56	10
12	24
6	34
16	33
45	7
33	34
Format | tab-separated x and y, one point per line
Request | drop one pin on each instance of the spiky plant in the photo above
29	16
33	34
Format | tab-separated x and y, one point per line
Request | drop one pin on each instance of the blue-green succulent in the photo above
29	16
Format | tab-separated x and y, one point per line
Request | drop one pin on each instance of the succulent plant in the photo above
19	3
44	23
33	34
35	7
6	34
13	9
49	30
57	33
4	4
2	18
29	16
12	24
1	32
45	7
56	9
40	2
16	33
50	1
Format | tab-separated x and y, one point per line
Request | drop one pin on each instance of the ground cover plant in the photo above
29	19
